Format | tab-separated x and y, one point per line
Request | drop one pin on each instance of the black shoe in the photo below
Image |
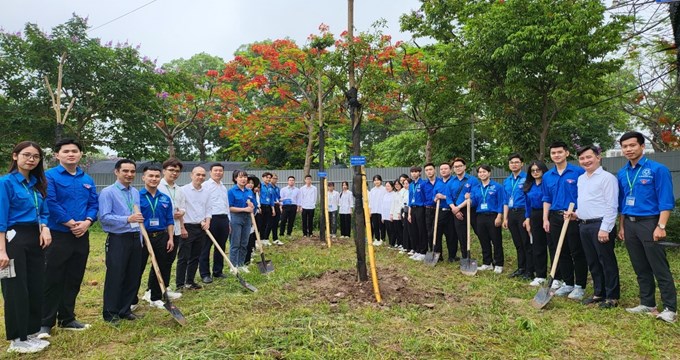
451	260
517	273
207	279
115	320
74	325
220	276
609	303
131	317
592	300
193	286
527	276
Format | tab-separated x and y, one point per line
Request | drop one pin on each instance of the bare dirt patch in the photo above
335	286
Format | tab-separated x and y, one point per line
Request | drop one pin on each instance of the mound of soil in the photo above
335	286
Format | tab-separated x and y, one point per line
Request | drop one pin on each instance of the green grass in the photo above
483	317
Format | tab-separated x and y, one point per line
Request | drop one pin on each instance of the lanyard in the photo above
35	200
514	185
631	184
129	201
172	192
153	206
484	192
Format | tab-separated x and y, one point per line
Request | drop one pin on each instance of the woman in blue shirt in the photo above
255	186
23	236
487	199
534	219
241	205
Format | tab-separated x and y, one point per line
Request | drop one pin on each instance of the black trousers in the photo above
389	230
650	263
461	233
540	246
23	294
377	227
418	229
446	227
123	261
159	245
275	222
307	222
219	227
572	263
345	224
189	251
65	261
172	255
265	225
398	230
491	239
288	219
259	220
520	238
429	225
601	261
406	228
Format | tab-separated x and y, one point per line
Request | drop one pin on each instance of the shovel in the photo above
432	258
544	294
233	268
174	311
468	266
265	266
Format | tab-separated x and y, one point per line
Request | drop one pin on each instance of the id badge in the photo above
134	225
511	202
484	206
413	200
630	200
154	222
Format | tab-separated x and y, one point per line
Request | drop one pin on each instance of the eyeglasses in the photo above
515	162
536	170
27	156
173	170
458	166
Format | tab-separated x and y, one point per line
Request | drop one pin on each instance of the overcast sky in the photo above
170	29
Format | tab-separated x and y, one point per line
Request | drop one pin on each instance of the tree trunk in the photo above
310	146
58	132
428	145
171	146
201	134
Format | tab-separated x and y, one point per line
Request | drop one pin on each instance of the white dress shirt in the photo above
198	206
333	201
290	195
386	204
598	196
308	197
395	209
375	199
177	197
346	202
219	201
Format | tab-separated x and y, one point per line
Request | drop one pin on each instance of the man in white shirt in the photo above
309	196
171	170
219	225
196	221
290	205
598	194
333	206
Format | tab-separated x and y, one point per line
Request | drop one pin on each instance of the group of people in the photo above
534	207
45	218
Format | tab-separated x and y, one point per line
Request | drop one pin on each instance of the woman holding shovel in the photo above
241	205
487	198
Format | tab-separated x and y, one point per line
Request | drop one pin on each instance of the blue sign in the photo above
357	160
322	174
666	1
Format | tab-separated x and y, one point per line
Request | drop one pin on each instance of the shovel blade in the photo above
468	267
174	311
431	258
543	295
245	284
265	266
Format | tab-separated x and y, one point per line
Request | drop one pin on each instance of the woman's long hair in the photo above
38	171
531	180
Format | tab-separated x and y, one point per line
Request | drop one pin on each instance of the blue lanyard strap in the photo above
35	199
153	206
129	201
514	185
631	184
484	192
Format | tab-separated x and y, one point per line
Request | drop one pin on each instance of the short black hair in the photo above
595	150
255	180
515	156
377	177
428	164
331	184
150	168
266	173
416	169
633	134
308	176
216	165
485	167
559	144
63	142
238	173
458	159
120	163
291	177
172	162
445	163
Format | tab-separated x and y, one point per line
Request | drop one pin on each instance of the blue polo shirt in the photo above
70	197
534	199
467	182
416	194
646	189
238	197
514	196
20	202
441	187
157	208
560	190
428	191
492	195
267	194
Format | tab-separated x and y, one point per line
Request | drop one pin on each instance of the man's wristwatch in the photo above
661	226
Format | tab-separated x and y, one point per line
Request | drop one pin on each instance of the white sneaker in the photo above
498	269
173	295
266	243
22	347
419	257
158	304
537	282
402	251
39	343
577	293
134	307
564	290
147	296
641	309
667	316
556	284
411	252
244	269
377	243
278	242
485	268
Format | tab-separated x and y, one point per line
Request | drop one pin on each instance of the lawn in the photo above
311	308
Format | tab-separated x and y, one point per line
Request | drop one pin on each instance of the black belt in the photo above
487	214
517	209
556	212
589	221
417	206
640	218
219	216
155	234
429	207
192	225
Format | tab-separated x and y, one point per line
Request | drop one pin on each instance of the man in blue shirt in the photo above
428	191
513	216
267	202
445	224
416	215
277	210
460	185
72	200
559	189
156	207
645	202
123	242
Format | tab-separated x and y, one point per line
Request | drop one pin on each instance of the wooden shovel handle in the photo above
563	233
436	220
154	262
219	248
